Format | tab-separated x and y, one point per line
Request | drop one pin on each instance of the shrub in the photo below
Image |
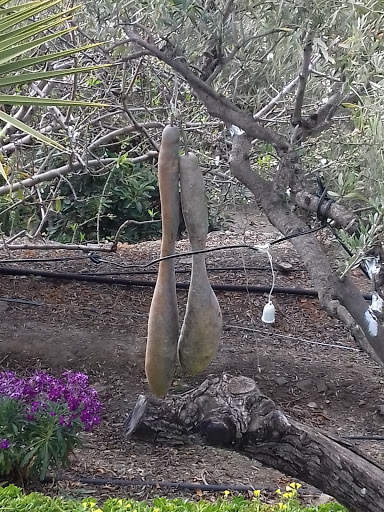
40	420
104	202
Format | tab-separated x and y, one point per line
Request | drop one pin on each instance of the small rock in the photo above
284	266
305	384
280	381
312	405
346	383
321	386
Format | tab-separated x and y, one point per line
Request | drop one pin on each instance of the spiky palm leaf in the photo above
22	29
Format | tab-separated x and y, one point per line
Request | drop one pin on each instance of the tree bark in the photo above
231	412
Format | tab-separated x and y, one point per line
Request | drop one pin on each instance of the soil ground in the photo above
307	362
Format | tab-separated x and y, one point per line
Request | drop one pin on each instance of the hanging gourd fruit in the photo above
163	322
202	326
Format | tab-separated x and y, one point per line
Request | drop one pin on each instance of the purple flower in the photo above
39	391
4	444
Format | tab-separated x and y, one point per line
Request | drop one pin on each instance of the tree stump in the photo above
231	412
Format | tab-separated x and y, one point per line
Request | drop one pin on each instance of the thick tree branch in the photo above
334	211
216	104
322	119
232	412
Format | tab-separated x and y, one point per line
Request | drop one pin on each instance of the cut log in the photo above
231	412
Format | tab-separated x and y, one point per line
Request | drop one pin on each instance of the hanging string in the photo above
273	274
265	248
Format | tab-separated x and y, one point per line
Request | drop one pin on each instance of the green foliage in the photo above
37	444
13	500
104	202
40	421
93	206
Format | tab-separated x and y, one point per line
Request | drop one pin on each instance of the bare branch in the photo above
287	89
332	211
121	131
27	140
238	46
303	77
130	222
322	119
56	246
66	169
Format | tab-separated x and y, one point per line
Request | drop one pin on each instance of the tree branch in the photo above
217	105
237	47
56	246
334	211
101	141
303	77
66	169
287	89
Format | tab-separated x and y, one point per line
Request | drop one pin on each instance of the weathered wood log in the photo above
231	412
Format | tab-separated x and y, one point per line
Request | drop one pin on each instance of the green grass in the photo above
12	499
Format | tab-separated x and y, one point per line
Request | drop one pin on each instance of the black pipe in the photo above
179	271
11	271
364	438
151	483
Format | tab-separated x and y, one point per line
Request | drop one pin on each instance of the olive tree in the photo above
302	84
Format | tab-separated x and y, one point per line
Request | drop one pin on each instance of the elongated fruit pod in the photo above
202	326
163	321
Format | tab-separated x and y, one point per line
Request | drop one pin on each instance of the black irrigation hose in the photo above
181	271
152	483
42	260
364	438
172	485
10	271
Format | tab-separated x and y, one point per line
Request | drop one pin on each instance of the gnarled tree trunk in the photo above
231	412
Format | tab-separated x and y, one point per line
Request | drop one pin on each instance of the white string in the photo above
273	275
265	248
